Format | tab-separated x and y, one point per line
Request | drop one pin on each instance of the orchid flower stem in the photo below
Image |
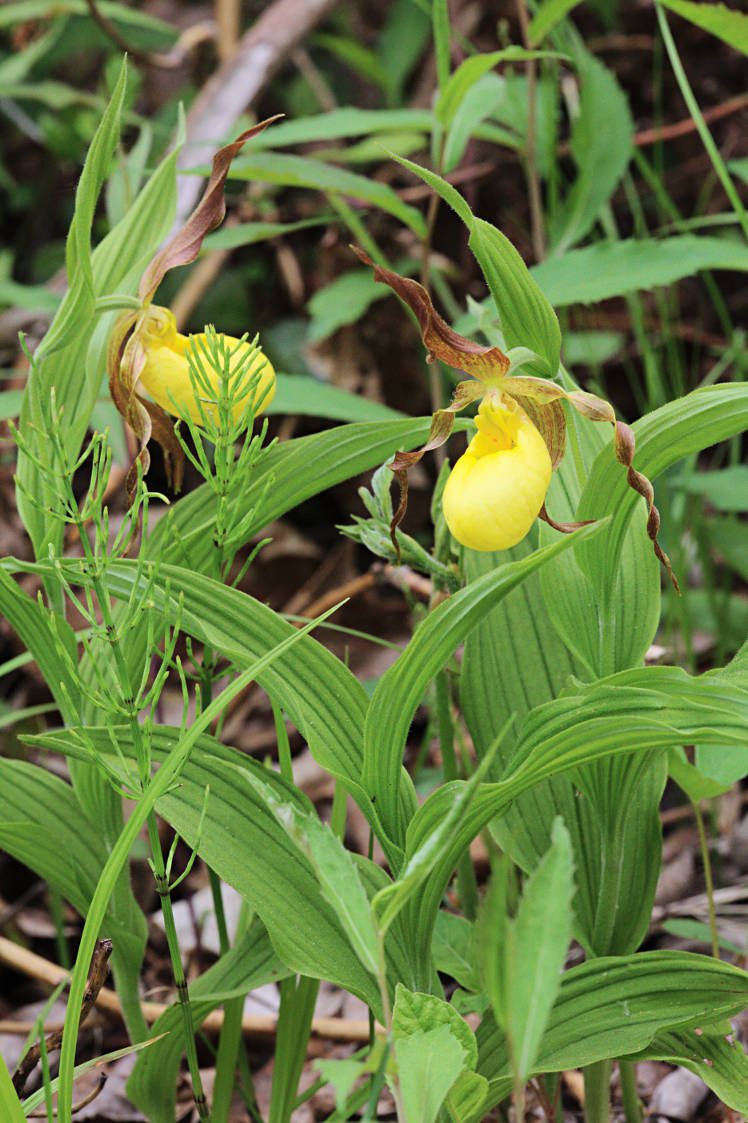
597	1092
466	883
707	864
701	125
631	1106
533	179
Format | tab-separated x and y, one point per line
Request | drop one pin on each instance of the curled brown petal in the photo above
625	443
441	341
185	245
564	528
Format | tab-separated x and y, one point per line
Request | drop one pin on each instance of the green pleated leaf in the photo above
400	690
522	655
614	1006
285	476
37	809
239	835
249	964
718	1058
636	711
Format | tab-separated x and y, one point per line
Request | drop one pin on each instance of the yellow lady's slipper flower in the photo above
497	488
166	371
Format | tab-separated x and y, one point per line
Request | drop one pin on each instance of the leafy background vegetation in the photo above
554	704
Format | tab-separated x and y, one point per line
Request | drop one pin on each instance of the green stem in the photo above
631	1106
597	1092
707	863
701	125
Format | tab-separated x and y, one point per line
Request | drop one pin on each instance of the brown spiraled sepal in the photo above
441	341
186	243
625	444
564	528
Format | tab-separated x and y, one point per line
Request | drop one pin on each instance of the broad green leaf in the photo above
334	868
401	42
664	436
286	475
690	780
347	121
718	1058
615	1006
636	711
132	20
320	695
730	537
601	144
418	1013
538	940
242	839
549	13
249	964
346	299
722	764
428	1063
727	489
37	809
527	319
454	951
304	171
297	393
116	860
49	639
728	24
9	1101
607	269
401	688
249	233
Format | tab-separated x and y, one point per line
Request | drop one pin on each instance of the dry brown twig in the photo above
253	1025
98	971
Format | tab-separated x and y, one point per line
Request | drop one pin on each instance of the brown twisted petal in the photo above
185	245
441	341
625	444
